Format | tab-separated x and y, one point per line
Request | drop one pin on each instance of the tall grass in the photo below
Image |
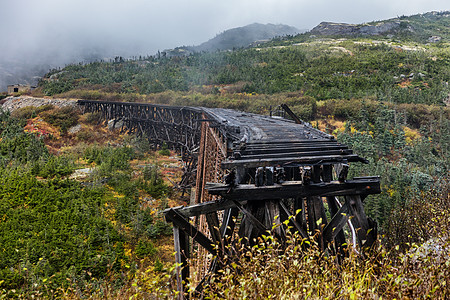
271	271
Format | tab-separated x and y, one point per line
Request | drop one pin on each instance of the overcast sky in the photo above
58	29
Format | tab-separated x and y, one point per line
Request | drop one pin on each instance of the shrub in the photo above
158	266
160	227
164	150
306	109
269	270
29	112
53	166
152	182
121	182
11	279
145	249
93	154
109	158
421	219
112	159
126	209
63	118
92	118
22	148
86	135
58	232
141	145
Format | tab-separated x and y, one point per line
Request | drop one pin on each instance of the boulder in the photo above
115	124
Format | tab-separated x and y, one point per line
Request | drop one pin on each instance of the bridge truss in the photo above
251	172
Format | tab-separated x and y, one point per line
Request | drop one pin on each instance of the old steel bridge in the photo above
250	172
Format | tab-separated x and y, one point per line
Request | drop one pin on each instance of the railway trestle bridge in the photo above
251	172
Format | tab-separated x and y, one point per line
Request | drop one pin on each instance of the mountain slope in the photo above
237	38
431	27
390	68
244	36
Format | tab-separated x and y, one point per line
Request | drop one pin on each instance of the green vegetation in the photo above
416	29
164	150
408	168
152	183
323	70
17	146
54	229
102	235
303	271
58	234
29	112
401	67
426	25
63	118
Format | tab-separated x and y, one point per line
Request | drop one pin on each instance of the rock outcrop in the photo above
13	103
329	28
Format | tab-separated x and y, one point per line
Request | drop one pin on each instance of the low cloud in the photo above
55	32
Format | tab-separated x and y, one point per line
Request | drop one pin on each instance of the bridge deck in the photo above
265	129
269	141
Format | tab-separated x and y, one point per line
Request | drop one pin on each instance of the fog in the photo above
50	33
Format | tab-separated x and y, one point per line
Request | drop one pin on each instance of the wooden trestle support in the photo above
252	172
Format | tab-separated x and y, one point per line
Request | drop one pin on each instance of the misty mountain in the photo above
26	68
28	71
245	36
13	72
29	68
238	37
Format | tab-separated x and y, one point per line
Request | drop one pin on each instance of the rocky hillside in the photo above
329	28
428	27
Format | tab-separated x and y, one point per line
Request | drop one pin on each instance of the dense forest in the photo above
102	235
